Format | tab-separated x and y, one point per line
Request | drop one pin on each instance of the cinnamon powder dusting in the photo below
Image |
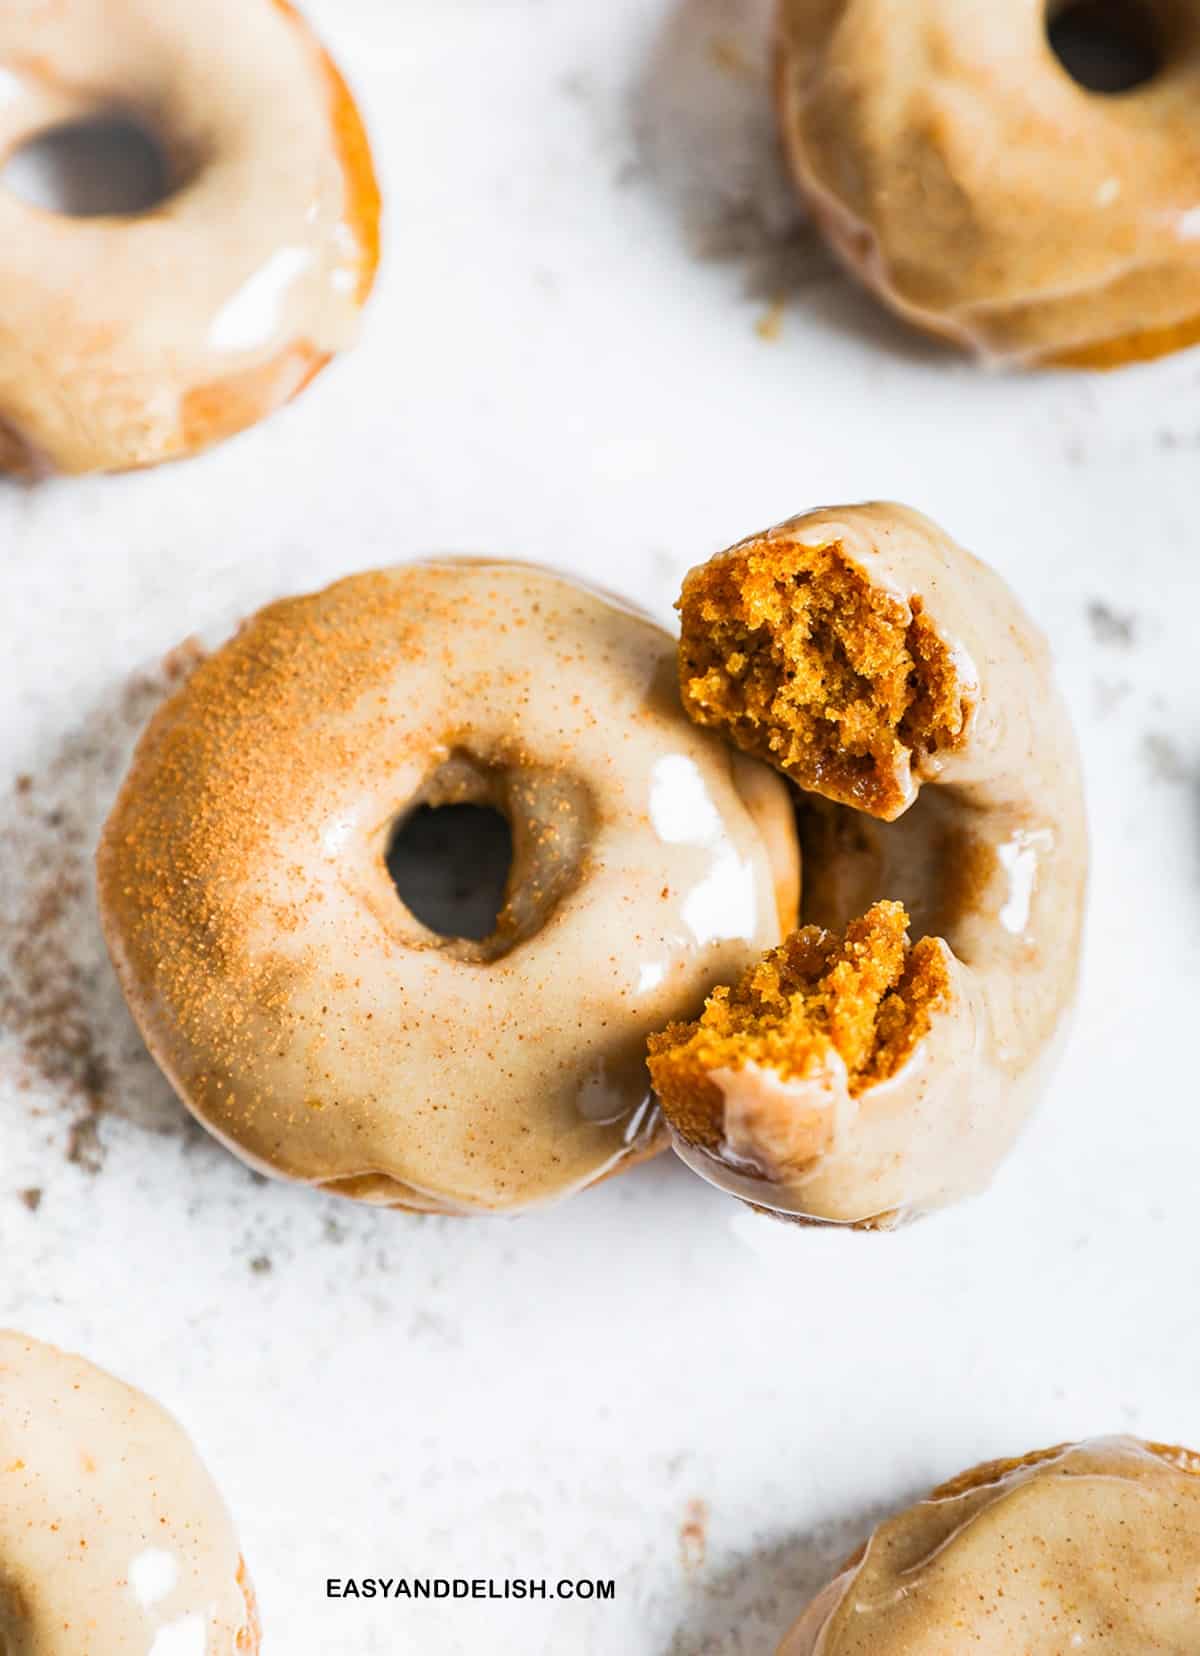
64	1030
241	750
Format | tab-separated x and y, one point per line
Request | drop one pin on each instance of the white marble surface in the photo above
562	363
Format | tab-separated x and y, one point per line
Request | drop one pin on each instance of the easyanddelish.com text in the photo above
460	1587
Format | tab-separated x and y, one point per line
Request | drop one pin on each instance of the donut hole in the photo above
1107	46
450	865
108	166
485	852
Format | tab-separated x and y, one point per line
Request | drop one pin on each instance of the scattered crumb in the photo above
769	326
32	1198
84	1148
693	1536
261	1265
1114	628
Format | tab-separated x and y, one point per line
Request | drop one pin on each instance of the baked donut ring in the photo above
305	1015
112	1535
1090	1546
125	341
963	175
863	1079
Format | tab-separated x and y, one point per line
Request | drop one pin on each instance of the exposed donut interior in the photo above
797	657
868	996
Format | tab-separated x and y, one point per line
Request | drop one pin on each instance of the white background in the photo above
562	363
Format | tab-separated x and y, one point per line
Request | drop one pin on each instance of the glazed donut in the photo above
129	340
112	1535
1090	1546
304	1014
863	1079
963	174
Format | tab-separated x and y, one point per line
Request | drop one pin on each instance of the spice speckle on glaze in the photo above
129	340
853	1076
112	1535
1090	1547
963	174
316	1025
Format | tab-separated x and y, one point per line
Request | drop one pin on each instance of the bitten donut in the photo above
964	175
1090	1546
305	1015
129	340
851	1075
112	1536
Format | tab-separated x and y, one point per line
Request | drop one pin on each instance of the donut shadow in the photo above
67	1033
704	116
745	1608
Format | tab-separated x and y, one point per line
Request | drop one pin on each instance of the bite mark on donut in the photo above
868	997
794	654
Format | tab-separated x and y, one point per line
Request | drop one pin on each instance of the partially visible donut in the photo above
963	174
852	1076
1089	1546
113	1538
125	341
305	1014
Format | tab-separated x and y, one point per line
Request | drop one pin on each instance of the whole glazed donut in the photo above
861	1078
306	1016
112	1536
964	175
129	340
1090	1546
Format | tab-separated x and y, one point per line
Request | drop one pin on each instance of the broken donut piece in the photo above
862	1073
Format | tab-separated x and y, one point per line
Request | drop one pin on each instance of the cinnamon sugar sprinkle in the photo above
240	750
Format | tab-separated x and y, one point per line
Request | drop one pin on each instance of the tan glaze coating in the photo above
113	1540
1091	1547
991	859
965	177
125	341
304	1014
